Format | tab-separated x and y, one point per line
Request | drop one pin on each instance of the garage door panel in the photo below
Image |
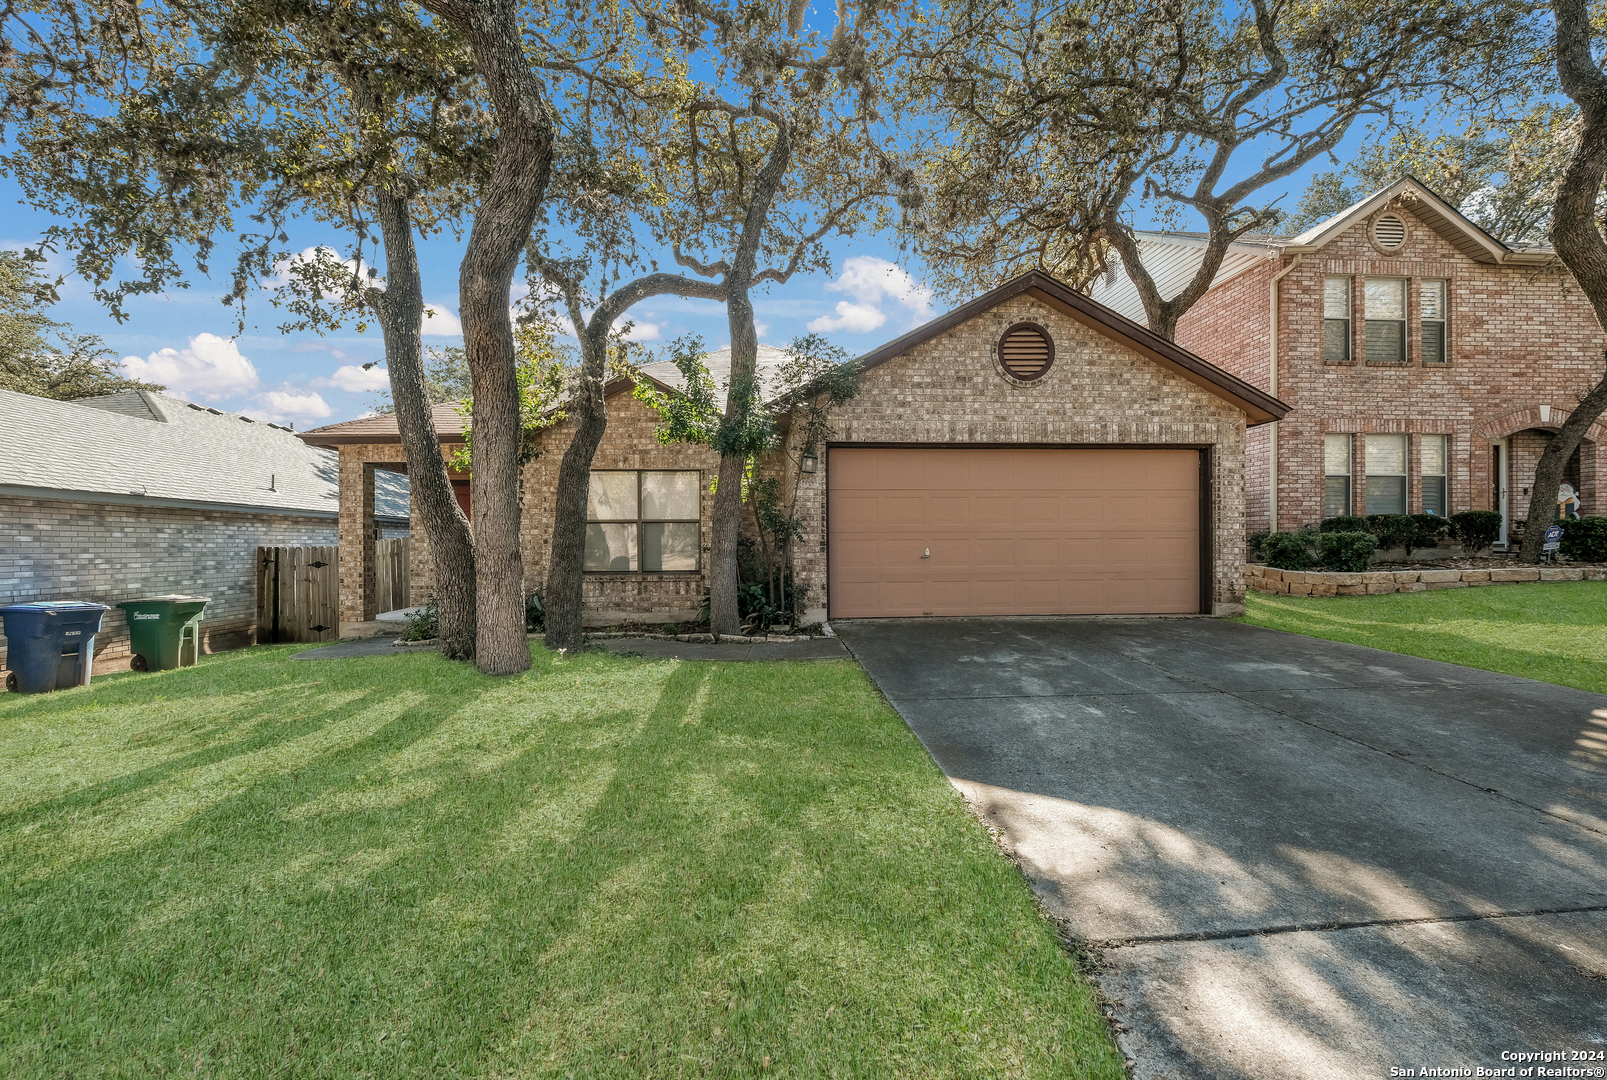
1013	531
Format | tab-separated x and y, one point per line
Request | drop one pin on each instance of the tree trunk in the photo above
401	311
742	390
1579	243
566	570
725	616
508	206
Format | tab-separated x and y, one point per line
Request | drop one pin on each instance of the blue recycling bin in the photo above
50	645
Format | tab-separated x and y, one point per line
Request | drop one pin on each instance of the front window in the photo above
644	521
1336	319
1435	490
1336	481
1432	306
1386	474
1386	320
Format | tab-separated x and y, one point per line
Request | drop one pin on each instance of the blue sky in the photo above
186	339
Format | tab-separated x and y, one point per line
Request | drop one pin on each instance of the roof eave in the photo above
113	498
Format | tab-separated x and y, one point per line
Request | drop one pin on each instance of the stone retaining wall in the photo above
1326	583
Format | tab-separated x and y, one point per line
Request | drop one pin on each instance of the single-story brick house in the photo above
1426	364
1030	452
141	494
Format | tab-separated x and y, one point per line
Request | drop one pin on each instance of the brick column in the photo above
357	573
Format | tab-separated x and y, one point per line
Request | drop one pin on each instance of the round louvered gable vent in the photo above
1390	232
1026	352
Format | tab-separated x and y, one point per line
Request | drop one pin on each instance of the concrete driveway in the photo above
1298	858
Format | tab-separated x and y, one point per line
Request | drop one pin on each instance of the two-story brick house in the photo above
1427	364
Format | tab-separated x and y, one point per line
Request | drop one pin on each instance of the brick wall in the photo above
949	390
56	550
1519	337
630	442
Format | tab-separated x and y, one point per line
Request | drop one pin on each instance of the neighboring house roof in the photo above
144	448
1259	407
448	421
1172	258
771	360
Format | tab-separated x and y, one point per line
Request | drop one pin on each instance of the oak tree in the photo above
1069	119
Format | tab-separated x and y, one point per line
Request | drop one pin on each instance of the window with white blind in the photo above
1336	319
1386	319
1436	492
1386	474
1432	308
1336	478
642	521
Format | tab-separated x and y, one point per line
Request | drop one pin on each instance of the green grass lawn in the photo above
1555	631
395	867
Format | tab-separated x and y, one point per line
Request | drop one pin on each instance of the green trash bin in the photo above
164	631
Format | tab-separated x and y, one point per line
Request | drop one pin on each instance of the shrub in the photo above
1350	552
1476	529
1585	539
1252	544
1287	550
535	613
1427	531
424	623
1344	524
1392	530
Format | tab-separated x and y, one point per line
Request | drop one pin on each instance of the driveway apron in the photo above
1297	858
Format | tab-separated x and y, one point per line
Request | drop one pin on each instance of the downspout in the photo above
1272	388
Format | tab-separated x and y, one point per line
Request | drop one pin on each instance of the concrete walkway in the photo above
820	648
1299	858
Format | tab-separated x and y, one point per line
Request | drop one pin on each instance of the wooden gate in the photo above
393	578
298	594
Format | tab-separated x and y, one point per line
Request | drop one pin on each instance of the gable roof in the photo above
448	422
1259	407
144	448
1172	258
1433	211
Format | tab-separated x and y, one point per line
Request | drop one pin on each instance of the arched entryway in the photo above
1516	441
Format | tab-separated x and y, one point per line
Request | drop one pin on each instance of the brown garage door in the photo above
1012	532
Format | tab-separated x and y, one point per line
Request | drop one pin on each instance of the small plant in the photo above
1393	530
1428	531
423	623
535	614
1287	550
1585	539
1345	523
1252	544
1348	552
1476	530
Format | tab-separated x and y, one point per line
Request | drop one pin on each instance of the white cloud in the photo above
871	282
643	331
281	406
440	322
210	368
761	328
855	318
353	379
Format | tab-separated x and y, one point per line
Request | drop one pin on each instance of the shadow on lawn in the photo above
603	866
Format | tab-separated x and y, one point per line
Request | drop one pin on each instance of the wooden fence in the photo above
298	594
298	589
392	572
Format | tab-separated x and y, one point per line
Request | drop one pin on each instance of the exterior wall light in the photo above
808	462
